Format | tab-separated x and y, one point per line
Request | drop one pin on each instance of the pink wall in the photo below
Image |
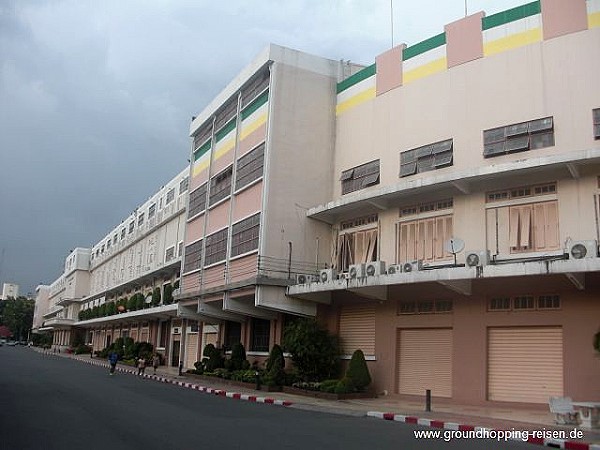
464	41
563	17
214	276
243	268
247	202
218	217
389	69
199	179
252	140
195	229
223	161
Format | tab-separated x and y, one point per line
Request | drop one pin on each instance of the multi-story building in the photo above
437	209
9	290
465	209
133	271
42	297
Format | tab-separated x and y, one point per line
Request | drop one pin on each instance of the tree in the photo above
358	371
314	351
17	315
156	296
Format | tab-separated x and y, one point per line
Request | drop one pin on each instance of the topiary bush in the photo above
238	357
358	371
156	296
168	294
275	375
213	358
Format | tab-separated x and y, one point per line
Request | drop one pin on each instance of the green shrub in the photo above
358	371
168	294
275	367
199	365
246	376
83	349
213	358
156	296
314	351
344	386
238	356
328	386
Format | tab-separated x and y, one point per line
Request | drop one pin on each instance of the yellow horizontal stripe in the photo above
425	70
356	100
512	41
247	129
225	147
594	20
200	166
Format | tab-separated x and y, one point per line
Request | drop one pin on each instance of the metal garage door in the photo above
357	329
425	361
191	350
525	364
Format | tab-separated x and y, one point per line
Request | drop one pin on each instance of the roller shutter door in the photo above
191	350
357	329
425	361
525	364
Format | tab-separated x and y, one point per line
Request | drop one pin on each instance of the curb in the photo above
547	442
193	386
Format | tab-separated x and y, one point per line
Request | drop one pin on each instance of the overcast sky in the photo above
96	98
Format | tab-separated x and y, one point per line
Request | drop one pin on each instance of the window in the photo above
226	113
426	207
220	186
123	234
197	201
202	135
500	304
360	177
359	221
533	227
244	235
216	247
193	257
194	328
141	220
424	239
426	158
170	195
151	210
233	334
114	239
131	227
179	248
518	137
259	336
183	185
548	302
523	302
107	247
169	254
255	87
357	247
596	114
425	307
250	167
521	192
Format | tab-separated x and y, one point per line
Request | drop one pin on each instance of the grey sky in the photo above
96	98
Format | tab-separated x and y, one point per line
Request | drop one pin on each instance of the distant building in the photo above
9	290
42	295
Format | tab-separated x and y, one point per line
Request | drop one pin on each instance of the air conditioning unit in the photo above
356	271
327	275
583	249
344	276
303	278
394	269
176	330
375	268
477	258
412	266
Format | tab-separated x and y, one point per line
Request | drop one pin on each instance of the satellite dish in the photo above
454	245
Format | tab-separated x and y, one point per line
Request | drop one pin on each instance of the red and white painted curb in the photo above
196	387
556	443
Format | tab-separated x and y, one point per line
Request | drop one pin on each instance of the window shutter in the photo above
525	221
514	226
430	238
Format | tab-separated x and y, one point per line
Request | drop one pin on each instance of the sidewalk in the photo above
391	407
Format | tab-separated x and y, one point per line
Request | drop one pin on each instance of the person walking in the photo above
112	359
155	362
141	366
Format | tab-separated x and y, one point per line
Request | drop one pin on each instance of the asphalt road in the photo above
50	402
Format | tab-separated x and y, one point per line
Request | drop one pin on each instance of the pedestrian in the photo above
141	366
112	359
155	362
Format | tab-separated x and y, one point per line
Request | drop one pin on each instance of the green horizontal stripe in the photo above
365	73
424	46
255	104
225	130
510	15
202	150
